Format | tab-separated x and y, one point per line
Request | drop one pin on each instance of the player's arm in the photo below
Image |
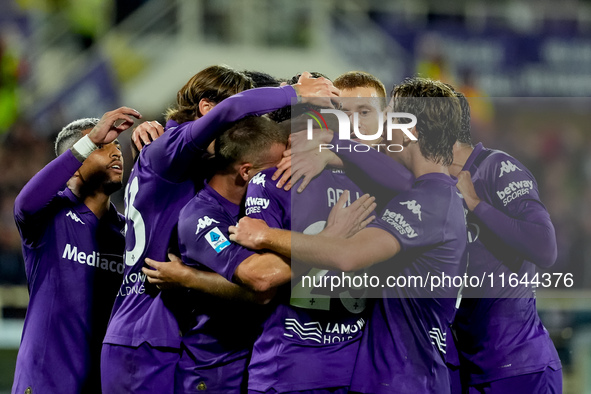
258	102
340	245
174	273
180	147
379	167
528	230
39	191
367	247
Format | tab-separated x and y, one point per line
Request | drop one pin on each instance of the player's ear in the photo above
406	141
205	105
246	171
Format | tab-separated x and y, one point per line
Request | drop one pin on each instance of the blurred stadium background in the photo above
526	63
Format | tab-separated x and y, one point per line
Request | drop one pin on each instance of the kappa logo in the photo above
259	179
438	339
74	217
204	222
507	167
413	207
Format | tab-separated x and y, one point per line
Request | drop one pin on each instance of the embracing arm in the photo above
175	273
379	167
531	233
368	247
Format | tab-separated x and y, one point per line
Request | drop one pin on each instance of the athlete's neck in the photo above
96	200
461	154
229	186
98	203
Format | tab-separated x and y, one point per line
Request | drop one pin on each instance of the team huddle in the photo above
199	286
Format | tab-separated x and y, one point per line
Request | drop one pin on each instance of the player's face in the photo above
103	168
364	101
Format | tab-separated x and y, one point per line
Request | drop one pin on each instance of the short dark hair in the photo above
247	140
438	115
283	114
464	135
70	134
215	83
261	79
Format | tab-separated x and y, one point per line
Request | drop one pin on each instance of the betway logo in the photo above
205	222
257	201
413	207
507	167
93	259
259	179
514	190
397	221
74	217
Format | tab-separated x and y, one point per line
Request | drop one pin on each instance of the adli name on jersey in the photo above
334	195
507	167
259	179
413	207
204	222
74	217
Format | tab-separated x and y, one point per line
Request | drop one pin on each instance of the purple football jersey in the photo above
159	186
310	341
74	266
500	333
217	345
406	340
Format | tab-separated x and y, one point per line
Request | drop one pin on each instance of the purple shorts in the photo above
548	381
336	390
138	370
229	377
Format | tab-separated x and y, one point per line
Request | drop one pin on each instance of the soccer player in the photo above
404	344
364	94
73	248
503	344
217	347
141	347
299	348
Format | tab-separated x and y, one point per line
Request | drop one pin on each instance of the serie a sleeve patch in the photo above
217	240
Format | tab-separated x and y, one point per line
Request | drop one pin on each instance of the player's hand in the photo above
308	165
318	91
301	143
249	233
284	171
168	274
344	222
112	124
466	187
145	133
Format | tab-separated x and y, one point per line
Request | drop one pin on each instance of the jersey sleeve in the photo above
516	215
412	220
170	155
261	202
35	197
204	241
379	167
